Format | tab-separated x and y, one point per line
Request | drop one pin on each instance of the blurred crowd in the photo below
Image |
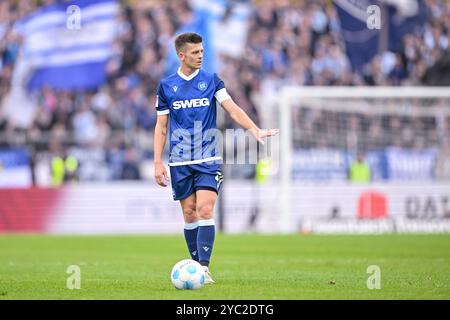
111	130
363	131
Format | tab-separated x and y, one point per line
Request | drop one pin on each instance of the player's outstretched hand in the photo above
161	175
261	133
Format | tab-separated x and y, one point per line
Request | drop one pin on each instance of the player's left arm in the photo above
241	118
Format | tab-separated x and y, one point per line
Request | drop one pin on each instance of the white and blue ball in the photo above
188	274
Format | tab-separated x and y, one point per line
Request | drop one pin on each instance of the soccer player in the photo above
189	98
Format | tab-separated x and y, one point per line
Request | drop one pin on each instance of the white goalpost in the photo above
354	120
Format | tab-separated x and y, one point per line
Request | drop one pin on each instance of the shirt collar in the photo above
187	78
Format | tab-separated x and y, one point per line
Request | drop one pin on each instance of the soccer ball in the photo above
188	274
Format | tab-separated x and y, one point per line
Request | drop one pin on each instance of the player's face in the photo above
192	55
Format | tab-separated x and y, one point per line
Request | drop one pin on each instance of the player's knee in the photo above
205	211
190	215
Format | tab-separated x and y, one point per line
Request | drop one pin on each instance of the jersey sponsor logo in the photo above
193	103
175	88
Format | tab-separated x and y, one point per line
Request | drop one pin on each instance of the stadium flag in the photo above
200	24
67	54
229	22
410	164
404	17
223	26
15	168
362	43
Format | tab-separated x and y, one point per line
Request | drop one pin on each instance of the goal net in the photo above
402	133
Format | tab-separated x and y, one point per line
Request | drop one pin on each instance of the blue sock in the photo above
205	240
190	234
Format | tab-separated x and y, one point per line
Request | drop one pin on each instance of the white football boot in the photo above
208	278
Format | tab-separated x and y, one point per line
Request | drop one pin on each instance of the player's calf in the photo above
191	225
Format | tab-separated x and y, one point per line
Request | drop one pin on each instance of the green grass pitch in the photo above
249	266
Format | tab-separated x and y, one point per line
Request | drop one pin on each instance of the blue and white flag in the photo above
223	26
200	24
15	168
404	17
67	44
320	165
410	164
362	43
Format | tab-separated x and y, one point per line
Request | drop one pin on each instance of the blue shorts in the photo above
186	179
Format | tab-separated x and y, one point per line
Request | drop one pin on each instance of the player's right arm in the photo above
161	176
162	121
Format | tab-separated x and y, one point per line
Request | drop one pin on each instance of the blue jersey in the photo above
191	103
